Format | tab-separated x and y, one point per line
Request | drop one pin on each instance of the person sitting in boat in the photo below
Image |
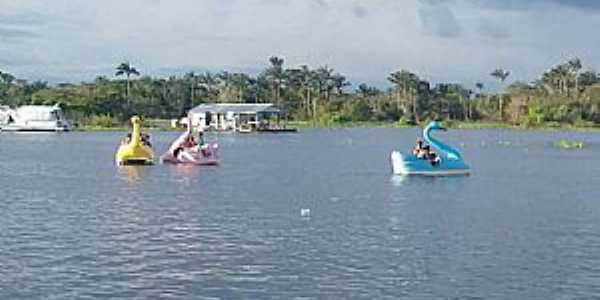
434	158
146	139
418	147
424	152
202	145
189	142
430	155
127	139
183	156
201	141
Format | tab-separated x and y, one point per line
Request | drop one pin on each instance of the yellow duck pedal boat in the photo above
135	151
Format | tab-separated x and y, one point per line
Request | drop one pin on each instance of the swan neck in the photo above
136	134
444	149
431	140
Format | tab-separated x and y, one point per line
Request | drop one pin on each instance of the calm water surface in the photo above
525	225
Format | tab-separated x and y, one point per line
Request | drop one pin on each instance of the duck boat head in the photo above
135	150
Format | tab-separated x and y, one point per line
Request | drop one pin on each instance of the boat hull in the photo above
10	128
134	155
33	118
278	130
194	156
411	165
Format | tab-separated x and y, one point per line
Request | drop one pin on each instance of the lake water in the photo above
524	225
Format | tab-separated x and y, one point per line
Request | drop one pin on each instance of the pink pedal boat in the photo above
202	155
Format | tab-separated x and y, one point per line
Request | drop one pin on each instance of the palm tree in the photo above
466	95
397	79
575	67
6	78
479	86
125	68
240	82
192	79
550	82
588	78
561	73
295	83
365	91
369	93
501	75
320	81
208	84
407	84
225	86
307	80
276	77
339	83
323	78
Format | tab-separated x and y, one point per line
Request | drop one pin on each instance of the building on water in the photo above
239	117
33	118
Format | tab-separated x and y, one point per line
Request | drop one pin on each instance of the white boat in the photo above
34	118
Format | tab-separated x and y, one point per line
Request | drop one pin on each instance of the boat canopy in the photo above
38	112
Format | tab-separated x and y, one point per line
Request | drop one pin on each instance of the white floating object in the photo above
305	212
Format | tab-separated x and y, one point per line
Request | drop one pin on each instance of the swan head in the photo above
435	125
135	120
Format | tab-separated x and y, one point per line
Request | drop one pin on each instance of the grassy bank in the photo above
164	125
89	128
448	124
110	124
121	128
367	124
386	124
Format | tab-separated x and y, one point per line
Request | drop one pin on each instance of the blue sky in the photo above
441	40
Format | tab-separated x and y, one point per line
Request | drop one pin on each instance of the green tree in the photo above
588	78
574	68
479	86
407	85
241	83
208	84
501	75
6	78
276	77
125	68
192	80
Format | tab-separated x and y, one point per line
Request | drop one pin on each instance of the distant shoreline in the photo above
449	124
566	96
374	124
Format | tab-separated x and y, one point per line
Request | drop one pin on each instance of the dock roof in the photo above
236	108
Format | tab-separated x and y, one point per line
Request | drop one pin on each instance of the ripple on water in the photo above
93	231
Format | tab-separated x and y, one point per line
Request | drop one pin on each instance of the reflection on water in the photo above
402	180
188	171
523	226
132	174
398	180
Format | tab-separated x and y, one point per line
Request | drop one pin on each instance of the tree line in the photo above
564	94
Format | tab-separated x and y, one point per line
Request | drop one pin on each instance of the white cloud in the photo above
364	39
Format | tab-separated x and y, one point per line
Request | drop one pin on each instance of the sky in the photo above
459	41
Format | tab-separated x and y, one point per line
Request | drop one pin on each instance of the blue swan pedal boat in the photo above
450	163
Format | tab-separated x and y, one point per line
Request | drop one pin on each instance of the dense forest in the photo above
565	94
